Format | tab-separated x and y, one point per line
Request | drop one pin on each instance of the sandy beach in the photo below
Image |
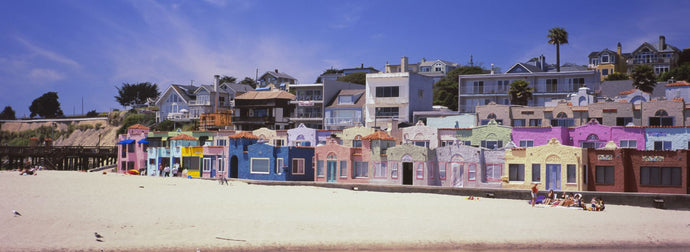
62	210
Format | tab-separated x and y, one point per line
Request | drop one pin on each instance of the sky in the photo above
84	50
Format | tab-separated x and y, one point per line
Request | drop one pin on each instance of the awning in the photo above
126	141
143	141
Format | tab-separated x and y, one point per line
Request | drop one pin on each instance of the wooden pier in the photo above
57	157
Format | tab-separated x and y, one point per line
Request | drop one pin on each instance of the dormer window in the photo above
345	99
605	58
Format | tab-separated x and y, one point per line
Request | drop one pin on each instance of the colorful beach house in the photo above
301	136
334	162
374	155
421	135
535	136
459	166
667	138
595	135
352	137
646	171
491	136
553	165
251	159
132	149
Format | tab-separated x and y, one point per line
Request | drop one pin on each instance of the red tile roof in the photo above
244	134
183	137
378	135
138	126
678	84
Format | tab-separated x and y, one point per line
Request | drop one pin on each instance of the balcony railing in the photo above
181	117
342	121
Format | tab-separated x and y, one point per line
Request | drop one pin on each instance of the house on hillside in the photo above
256	109
276	80
346	110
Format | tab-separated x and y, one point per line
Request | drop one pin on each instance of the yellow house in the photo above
552	166
191	157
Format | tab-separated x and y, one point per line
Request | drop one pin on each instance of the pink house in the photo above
535	136
132	149
334	163
595	135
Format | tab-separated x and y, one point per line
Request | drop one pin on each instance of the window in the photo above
662	145
207	165
468	143
628	144
605	71
563	122
576	83
380	170
660	176
298	166
605	58
278	142
387	111
361	169
502	86
526	143
536	172
442	171
420	170
516	172
394	170
572	173
357	142
387	91
421	143
604	175
478	87
493	172
552	85
535	122
495	144
222	142
518	122
486	121
343	168
319	168
260	166
130	147
420	94
280	163
622	121
472	172
598	119
345	99
152	161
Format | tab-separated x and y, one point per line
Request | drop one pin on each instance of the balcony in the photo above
343	121
181	117
314	116
199	103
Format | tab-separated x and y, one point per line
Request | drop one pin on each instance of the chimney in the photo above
662	43
215	93
403	64
619	49
361	66
423	60
492	68
276	70
542	62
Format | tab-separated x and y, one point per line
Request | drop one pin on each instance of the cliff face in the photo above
89	136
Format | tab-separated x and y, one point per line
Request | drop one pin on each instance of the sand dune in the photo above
62	210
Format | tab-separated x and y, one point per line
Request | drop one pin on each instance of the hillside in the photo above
82	134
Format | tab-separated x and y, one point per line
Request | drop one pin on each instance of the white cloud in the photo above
47	54
45	75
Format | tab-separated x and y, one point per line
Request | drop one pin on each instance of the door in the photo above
457	174
553	177
332	169
407	173
233	167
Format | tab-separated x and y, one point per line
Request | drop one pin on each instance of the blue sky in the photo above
84	49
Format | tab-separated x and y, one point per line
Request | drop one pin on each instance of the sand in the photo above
61	211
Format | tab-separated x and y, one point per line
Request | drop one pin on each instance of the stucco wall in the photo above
679	137
421	132
540	135
491	132
301	133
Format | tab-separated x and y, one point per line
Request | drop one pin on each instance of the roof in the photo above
244	134
378	135
528	67
184	91
238	88
432	62
265	95
183	137
138	126
358	95
278	75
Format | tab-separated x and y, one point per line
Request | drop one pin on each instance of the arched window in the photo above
562	115
357	141
592	137
661	118
331	156
661	112
491	116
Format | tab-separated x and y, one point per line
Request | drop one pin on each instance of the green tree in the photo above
617	76
227	79
644	78
132	94
92	113
358	77
446	89
558	36
684	57
136	118
249	81
8	114
46	106
520	92
677	73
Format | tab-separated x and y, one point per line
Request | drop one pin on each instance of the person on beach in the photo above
550	197
534	193
166	170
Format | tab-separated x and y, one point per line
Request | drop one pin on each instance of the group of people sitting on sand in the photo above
573	200
29	171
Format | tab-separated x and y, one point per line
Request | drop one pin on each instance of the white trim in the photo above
207	165
221	164
251	166
280	163
293	166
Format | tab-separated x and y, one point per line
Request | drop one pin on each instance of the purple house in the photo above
595	135
132	148
535	136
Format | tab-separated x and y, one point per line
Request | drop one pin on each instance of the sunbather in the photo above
550	197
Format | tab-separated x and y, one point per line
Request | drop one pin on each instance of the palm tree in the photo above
558	36
520	92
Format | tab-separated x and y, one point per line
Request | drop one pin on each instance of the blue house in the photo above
251	159
667	138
